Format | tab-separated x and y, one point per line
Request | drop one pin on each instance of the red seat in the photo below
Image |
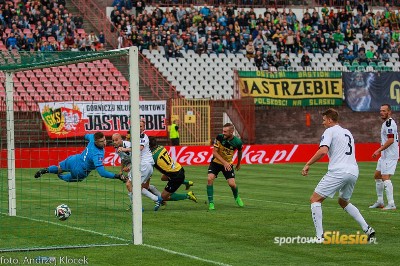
92	79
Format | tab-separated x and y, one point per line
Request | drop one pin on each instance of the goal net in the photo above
49	101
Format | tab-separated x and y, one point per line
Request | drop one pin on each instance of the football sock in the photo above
53	169
389	191
185	182
130	196
210	193
176	196
148	194
154	190
316	214
235	192
379	189
355	213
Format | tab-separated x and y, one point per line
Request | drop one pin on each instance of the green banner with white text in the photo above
312	88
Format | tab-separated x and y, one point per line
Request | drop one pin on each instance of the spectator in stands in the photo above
234	46
356	48
362	58
372	55
338	37
218	47
179	45
250	50
92	37
258	60
270	59
169	50
118	4
362	7
323	46
305	60
201	48
332	46
286	62
350	57
140	6
11	42
382	44
385	56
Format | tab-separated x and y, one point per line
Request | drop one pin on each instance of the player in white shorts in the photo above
342	173
123	149
146	169
387	163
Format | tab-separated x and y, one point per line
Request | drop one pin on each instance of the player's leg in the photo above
53	169
388	169
187	183
154	190
326	187
128	185
172	186
146	171
213	170
344	196
379	186
230	177
316	214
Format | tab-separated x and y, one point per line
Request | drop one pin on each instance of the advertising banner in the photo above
71	119
188	155
368	91
316	88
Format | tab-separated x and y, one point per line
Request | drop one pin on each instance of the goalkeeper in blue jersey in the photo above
78	167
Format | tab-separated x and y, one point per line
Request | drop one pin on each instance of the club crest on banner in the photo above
61	120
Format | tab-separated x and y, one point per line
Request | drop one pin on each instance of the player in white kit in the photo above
342	173
146	169
387	163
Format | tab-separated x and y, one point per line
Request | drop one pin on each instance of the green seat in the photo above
380	63
352	68
355	63
364	64
373	64
360	68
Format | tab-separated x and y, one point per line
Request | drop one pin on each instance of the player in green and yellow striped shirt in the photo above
172	172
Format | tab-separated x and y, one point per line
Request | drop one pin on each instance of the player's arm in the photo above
239	159
216	154
385	145
106	174
322	151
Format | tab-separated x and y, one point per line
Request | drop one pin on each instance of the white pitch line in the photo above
125	240
73	227
186	255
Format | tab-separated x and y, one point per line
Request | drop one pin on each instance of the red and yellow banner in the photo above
71	119
188	155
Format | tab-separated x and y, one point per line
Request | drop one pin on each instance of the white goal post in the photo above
133	66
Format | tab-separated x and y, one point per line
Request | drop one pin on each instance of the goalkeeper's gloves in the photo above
121	177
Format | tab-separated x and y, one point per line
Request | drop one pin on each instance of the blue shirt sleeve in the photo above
104	173
89	137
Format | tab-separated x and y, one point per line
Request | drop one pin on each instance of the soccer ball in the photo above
62	212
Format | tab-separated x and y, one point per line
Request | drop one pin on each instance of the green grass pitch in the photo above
276	201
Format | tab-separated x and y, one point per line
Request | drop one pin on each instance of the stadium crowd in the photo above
44	25
352	33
